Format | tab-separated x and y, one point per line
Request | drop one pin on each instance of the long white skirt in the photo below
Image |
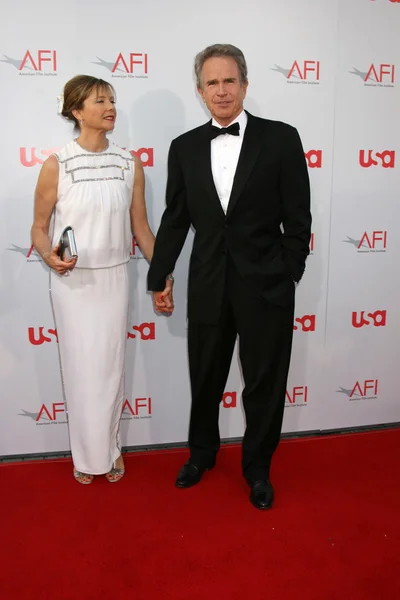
91	313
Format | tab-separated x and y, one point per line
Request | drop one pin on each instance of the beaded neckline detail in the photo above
92	151
97	166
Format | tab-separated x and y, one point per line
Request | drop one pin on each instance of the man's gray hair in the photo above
226	50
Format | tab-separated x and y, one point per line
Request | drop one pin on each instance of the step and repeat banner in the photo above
328	67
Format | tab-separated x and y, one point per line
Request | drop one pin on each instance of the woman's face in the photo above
98	110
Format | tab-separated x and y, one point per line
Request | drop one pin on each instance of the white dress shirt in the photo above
225	150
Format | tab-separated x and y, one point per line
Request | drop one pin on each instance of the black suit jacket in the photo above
270	189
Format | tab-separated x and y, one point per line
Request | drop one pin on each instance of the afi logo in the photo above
363	388
375	240
386	158
37	339
377	75
41	62
367	389
42	57
139	408
229	400
50	415
378	319
308	69
29	157
312	243
132	65
314	159
307	323
147	331
30	253
135	252
31	249
381	73
131	62
297	395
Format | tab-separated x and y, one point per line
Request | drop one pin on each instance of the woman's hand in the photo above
62	267
163	301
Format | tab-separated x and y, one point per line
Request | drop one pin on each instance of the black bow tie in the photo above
232	130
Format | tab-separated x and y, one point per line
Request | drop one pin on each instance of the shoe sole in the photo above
268	507
189	485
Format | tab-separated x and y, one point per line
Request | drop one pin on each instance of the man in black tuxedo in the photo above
242	183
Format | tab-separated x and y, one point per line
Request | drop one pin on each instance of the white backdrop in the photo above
328	67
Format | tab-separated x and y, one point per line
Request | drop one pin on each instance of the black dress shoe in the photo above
261	494
190	474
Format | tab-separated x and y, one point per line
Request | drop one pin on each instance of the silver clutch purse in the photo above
67	245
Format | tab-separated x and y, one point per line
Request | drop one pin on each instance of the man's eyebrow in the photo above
210	81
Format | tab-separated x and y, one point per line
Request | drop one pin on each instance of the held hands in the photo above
62	267
163	301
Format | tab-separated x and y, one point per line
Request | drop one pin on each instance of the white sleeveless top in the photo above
94	197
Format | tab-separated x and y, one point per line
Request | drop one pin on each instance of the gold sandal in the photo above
116	473
83	478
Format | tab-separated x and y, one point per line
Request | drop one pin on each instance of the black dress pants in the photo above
265	340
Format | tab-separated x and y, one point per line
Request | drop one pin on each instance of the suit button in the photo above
226	226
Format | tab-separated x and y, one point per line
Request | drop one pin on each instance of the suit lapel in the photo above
251	147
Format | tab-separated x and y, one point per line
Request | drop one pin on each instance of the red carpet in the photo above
334	531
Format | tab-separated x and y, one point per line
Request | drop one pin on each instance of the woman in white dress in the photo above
96	188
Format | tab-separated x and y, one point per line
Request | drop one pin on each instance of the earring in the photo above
80	122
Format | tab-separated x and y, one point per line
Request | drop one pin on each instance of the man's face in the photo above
222	90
